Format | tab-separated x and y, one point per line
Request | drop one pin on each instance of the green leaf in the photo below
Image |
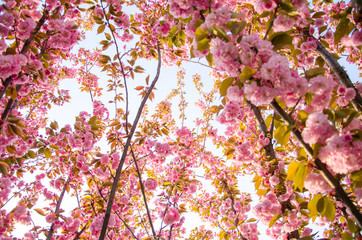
282	134
220	33
322	29
225	85
352	226
203	44
312	205
47	153
230	153
54	125
31	154
54	147
4	164
281	40
92	120
307	238
329	209
341	114
201	33
246	74
166	183
273	220
39	211
320	205
353	115
308	98
236	15
356	178
347	236
314	72
101	29
316	148
209	59
318	14
236	27
320	62
292	169
300	176
302	155
341	30
287	6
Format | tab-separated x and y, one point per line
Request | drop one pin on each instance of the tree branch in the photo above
269	149
340	74
125	151
321	166
259	118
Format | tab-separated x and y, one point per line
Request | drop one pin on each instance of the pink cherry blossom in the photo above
340	155
317	129
172	216
151	184
315	183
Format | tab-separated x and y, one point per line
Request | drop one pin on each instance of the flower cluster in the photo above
268	208
172	216
317	129
341	154
11	64
315	183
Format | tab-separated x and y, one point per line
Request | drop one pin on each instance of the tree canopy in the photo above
280	108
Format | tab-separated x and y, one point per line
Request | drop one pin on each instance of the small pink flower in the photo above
19	212
274	180
150	184
50	218
172	216
319	22
105	160
350	93
193	188
341	90
357	38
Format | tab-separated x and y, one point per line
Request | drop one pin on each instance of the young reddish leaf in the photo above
39	211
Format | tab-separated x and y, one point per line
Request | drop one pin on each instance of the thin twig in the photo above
143	193
125	151
35	230
59	202
272	22
80	232
125	224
